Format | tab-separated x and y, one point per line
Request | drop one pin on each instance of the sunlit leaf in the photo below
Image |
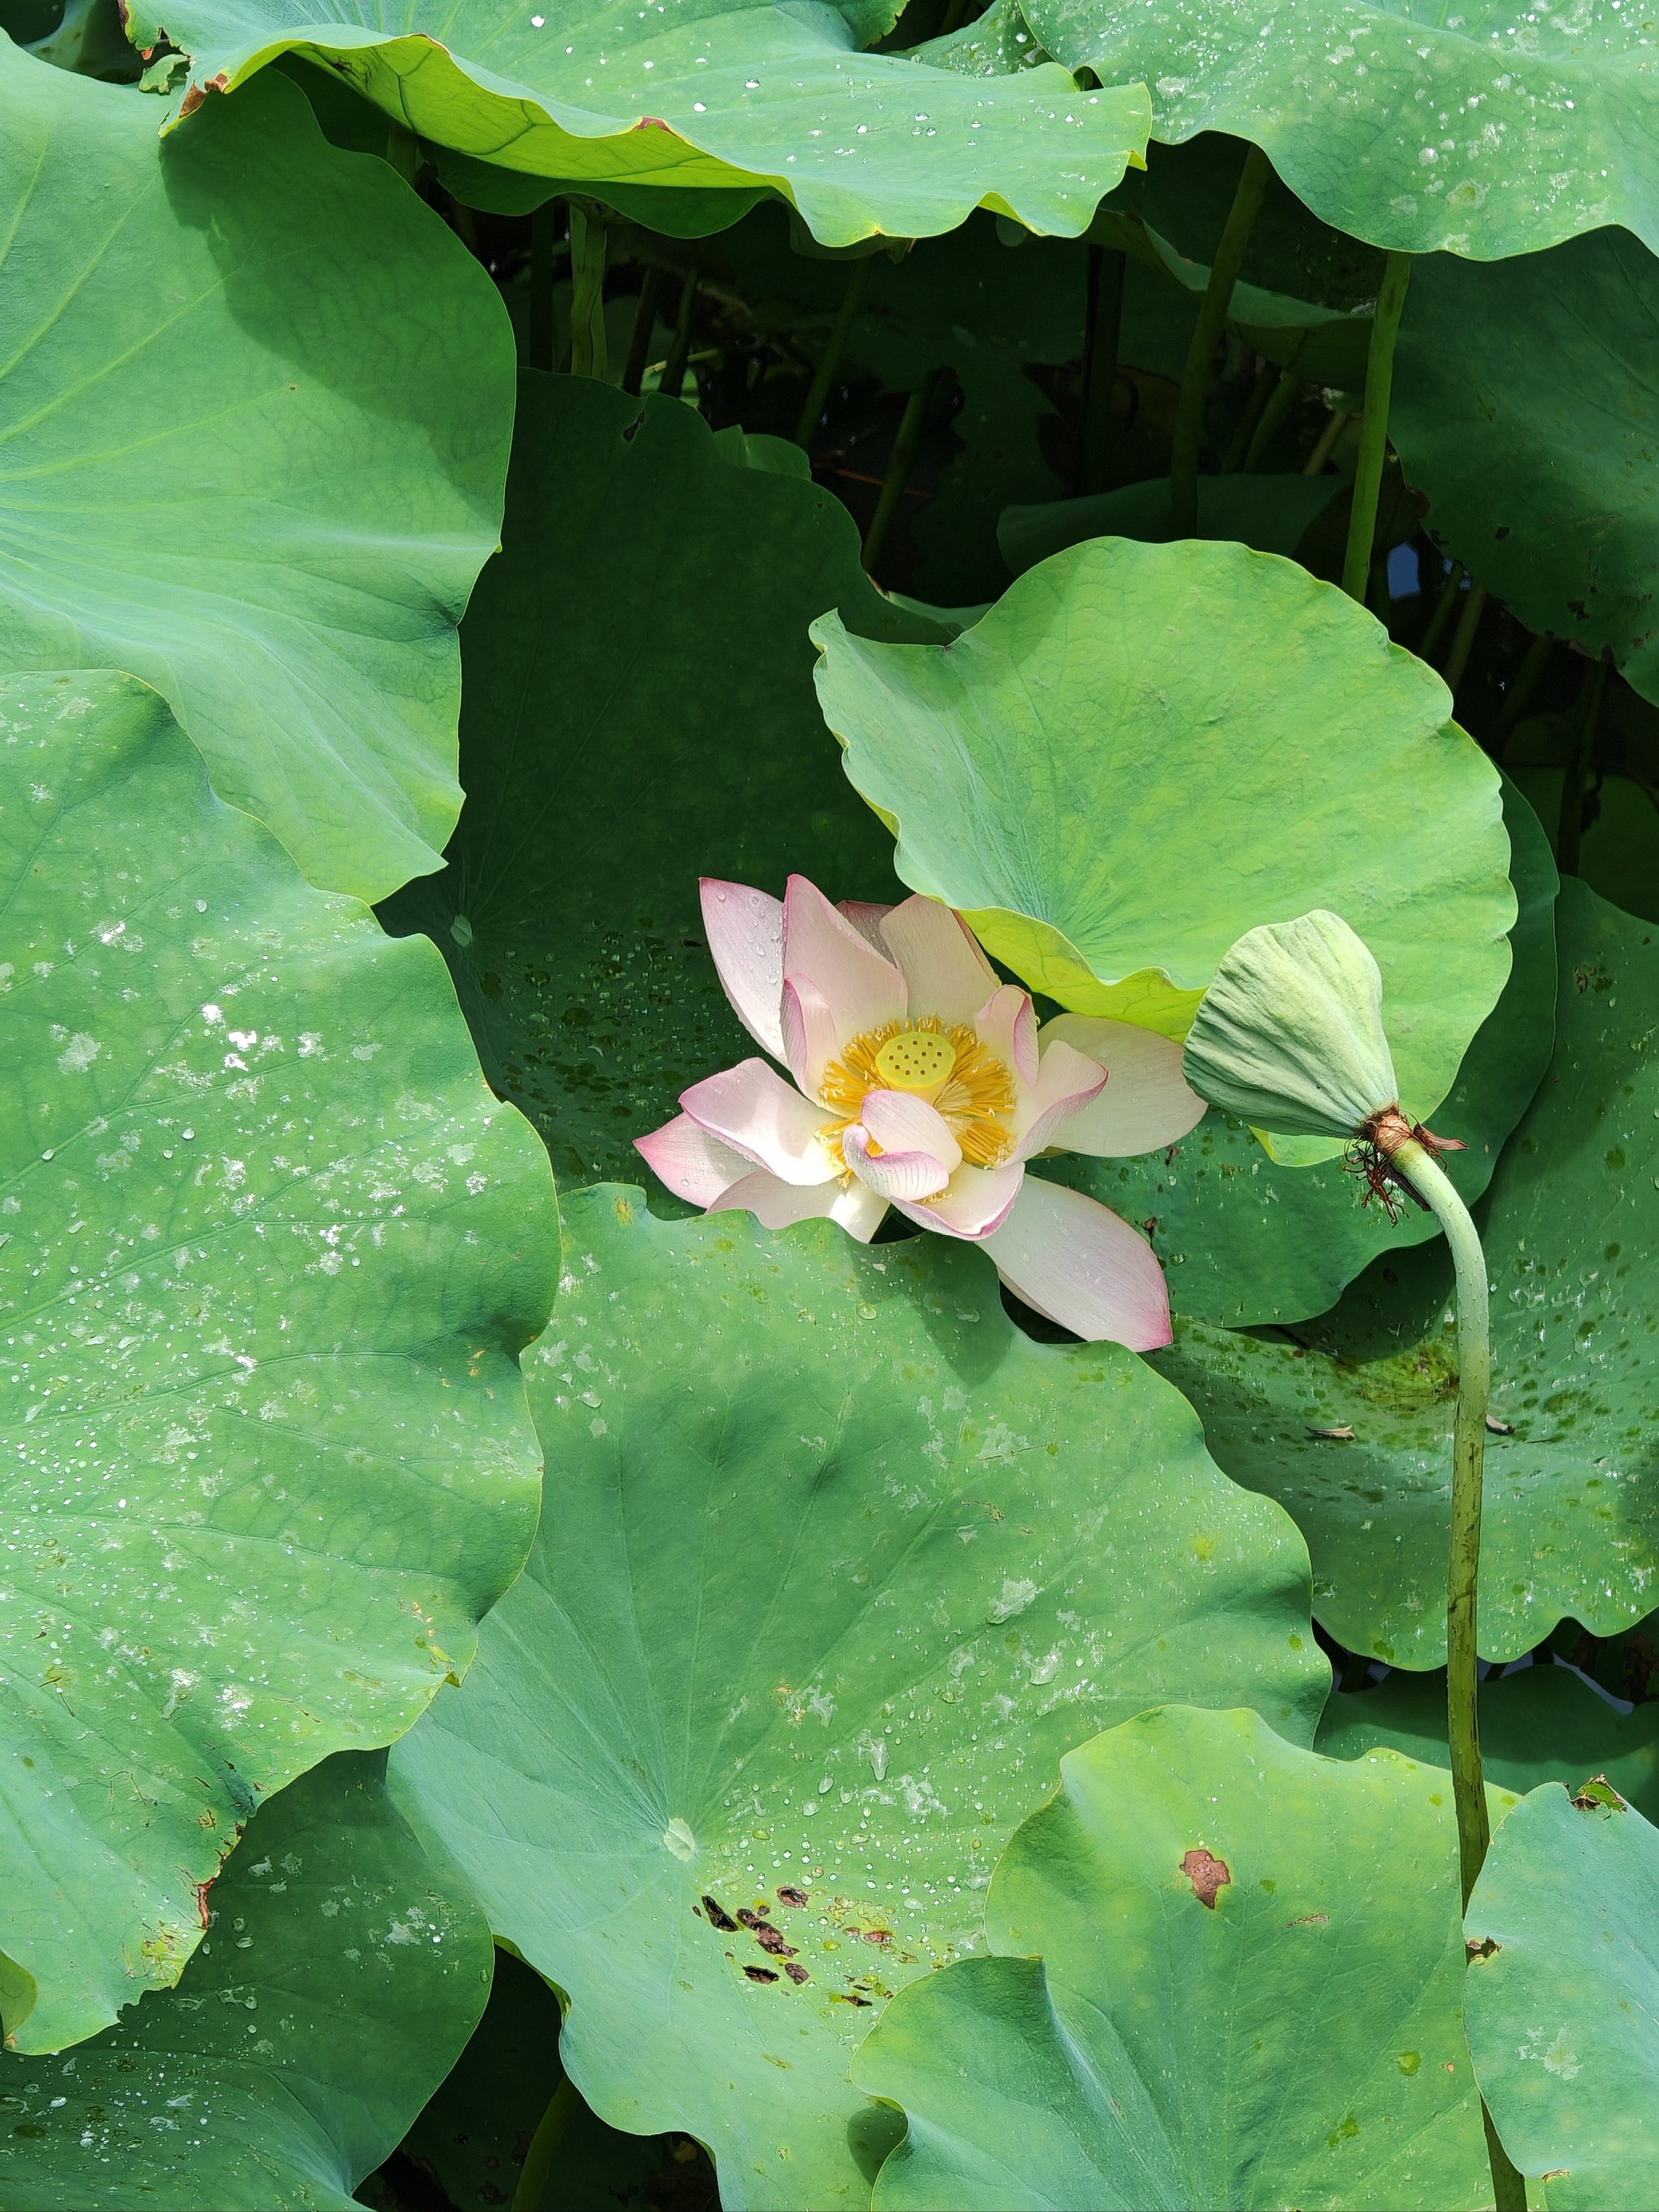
835	1566
268	1252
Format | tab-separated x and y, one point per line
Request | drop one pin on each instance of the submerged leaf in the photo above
836	1564
267	1253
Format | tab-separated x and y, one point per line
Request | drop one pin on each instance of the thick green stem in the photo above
1285	394
588	251
539	321
912	424
639	339
672	379
1107	270
1444	608
1462	644
537	2168
1429	1180
1207	334
1315	464
835	347
1374	424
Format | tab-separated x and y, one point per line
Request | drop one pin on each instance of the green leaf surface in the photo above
268	1252
1488	131
257	461
1542	1724
1096	774
1571	1233
706	93
1245	1239
1267	514
341	1977
629	727
1223	1972
1524	406
835	1566
1564	2014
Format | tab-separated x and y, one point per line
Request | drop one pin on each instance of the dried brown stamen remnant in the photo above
1207	1875
1370	1157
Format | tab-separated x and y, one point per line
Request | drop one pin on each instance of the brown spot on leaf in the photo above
1480	1946
760	1973
788	1896
768	1937
1206	1874
877	1934
796	1973
718	1914
1341	1434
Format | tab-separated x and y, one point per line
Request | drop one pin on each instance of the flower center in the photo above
915	1060
961	1079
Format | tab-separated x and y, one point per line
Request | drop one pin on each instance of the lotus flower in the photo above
920	1081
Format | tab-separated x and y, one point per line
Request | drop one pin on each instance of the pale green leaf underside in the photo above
1488	130
835	1566
257	461
1571	1232
1096	772
1563	2017
1130	2048
268	1252
1524	405
342	1976
700	94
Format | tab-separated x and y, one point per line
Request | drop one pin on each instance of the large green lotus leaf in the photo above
1571	1230
269	1251
1489	131
633	721
698	94
1096	774
836	1564
1524	407
1245	1240
341	1975
257	463
1541	1725
1224	1972
1563	2013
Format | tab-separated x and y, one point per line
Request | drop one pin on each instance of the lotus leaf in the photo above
341	1974
836	1564
719	94
1524	407
1490	131
259	463
684	716
1244	1240
1571	1230
1270	514
1096	772
1223	1971
1562	2011
1539	1724
268	1253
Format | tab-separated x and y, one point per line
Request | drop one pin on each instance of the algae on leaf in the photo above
1571	1234
259	463
267	1253
703	94
340	1975
1223	1971
835	1566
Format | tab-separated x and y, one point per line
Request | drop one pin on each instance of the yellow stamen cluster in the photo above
975	1091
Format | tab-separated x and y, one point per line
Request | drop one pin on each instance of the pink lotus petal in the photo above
945	971
696	1166
745	929
861	989
1007	1024
751	1108
810	1042
866	917
975	1204
777	1204
1146	1103
1068	1080
1075	1261
899	1121
894	1176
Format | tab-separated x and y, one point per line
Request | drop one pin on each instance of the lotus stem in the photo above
1285	397
539	322
1444	608
1519	695
672	379
1315	464
1207	333
639	340
1462	644
835	347
1570	827
588	251
537	2168
1107	267
1426	1175
1374	424
908	437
